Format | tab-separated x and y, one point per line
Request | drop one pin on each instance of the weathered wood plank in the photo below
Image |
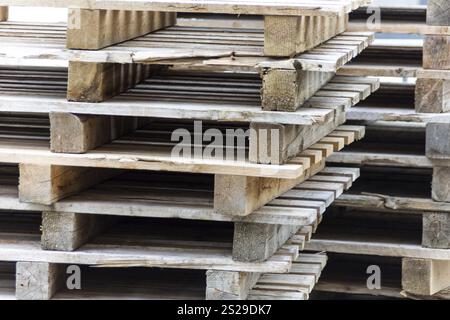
108	27
425	277
38	280
440	188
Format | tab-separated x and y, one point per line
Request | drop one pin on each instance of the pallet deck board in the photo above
207	47
237	7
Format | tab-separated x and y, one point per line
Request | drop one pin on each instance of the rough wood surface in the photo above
436	52
257	242
425	277
432	95
46	184
64	231
436	230
96	82
262	7
438	13
440	189
108	27
225	285
38	280
287	90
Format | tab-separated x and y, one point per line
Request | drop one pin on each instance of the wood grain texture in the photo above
226	285
436	230
432	95
108	27
38	280
438	13
46	184
425	277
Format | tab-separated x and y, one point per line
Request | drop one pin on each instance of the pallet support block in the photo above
257	242
436	230
63	231
425	277
287	36
3	13
229	285
241	195
287	90
97	82
38	280
108	27
276	143
438	13
72	133
432	95
46	184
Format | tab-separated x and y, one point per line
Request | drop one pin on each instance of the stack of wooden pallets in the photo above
397	216
88	112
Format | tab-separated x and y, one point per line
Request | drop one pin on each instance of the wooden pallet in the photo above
45	271
290	28
346	278
238	101
69	223
154	284
91	72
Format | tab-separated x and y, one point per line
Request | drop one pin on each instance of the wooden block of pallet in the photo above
436	230
96	82
38	280
437	13
3	13
46	184
425	277
95	29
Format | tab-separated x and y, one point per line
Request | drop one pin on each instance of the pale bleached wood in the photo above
108	27
436	230
225	285
65	231
38	280
262	7
257	242
425	277
287	90
96	82
72	133
46	184
438	13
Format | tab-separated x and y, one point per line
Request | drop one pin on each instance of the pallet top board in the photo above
237	7
133	195
31	44
239	100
